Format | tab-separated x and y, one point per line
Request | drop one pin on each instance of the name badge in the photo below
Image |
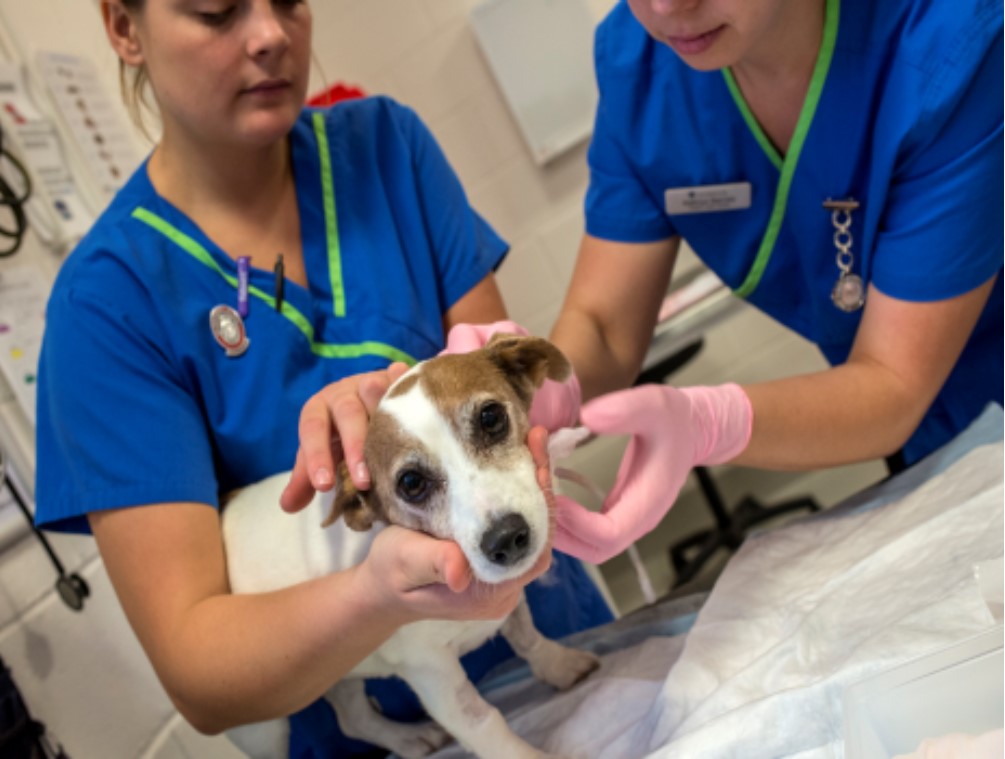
707	198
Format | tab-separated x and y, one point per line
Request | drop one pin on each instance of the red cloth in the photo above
334	94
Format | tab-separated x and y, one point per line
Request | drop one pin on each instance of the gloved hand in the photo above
556	404
673	430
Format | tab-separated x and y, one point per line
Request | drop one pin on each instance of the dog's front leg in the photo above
550	662
358	719
451	699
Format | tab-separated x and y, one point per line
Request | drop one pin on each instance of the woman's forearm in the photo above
235	659
843	415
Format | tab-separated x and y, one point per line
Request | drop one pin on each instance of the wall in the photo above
83	674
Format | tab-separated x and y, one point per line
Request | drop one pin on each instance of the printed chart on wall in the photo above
22	320
92	120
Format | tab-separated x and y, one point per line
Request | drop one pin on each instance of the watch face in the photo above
228	329
849	293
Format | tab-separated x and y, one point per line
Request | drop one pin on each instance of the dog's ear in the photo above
527	361
353	505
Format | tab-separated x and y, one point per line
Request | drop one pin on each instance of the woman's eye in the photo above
413	486
215	18
493	420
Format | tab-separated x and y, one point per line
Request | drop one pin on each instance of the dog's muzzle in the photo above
507	540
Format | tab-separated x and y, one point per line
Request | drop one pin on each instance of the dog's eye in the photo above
413	486
493	420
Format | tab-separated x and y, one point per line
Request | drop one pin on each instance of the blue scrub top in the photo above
389	243
138	404
904	114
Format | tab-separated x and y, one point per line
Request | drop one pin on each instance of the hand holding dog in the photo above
340	412
672	431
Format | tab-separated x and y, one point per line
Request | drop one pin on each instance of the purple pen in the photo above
243	264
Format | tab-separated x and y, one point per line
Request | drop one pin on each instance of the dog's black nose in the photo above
507	540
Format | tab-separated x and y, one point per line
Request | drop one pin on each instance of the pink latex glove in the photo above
556	404
673	430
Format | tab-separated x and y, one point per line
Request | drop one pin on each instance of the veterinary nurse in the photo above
838	163
171	372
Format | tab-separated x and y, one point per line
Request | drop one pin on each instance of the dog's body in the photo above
447	455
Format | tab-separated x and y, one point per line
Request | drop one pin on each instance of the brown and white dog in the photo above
446	450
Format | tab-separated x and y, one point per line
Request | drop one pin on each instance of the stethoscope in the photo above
71	587
15	201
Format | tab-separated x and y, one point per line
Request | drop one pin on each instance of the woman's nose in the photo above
267	35
665	7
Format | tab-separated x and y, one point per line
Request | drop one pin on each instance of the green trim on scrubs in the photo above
325	350
788	165
331	219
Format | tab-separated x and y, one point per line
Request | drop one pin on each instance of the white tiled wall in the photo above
83	674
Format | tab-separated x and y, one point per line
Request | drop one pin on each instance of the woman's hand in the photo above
413	576
672	431
333	425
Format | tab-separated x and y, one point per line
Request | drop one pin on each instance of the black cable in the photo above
10	198
72	588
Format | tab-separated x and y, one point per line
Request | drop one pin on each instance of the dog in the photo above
446	450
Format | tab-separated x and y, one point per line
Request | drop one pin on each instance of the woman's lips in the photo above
269	87
696	44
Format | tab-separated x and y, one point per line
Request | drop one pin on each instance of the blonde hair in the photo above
135	94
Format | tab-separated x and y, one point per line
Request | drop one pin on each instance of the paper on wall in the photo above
22	321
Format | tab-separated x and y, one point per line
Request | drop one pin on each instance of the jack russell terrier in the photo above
447	453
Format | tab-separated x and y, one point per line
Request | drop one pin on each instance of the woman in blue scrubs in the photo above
838	163
150	408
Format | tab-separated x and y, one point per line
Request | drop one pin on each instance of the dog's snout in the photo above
507	540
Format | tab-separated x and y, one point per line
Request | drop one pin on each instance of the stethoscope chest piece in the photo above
228	330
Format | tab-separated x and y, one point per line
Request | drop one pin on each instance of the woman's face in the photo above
227	70
711	34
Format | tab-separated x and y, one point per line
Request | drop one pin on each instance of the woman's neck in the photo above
787	54
775	75
227	178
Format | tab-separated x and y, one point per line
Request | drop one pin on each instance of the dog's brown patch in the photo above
508	370
403	385
358	508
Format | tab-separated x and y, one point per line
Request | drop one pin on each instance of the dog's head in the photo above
447	455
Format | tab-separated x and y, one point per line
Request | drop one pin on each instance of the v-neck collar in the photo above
186	235
787	165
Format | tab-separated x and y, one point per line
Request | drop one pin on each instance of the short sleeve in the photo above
941	234
465	246
116	426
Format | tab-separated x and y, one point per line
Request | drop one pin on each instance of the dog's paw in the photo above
564	667
415	740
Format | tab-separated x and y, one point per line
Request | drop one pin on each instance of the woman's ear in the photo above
120	26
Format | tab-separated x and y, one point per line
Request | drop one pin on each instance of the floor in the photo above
691	513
